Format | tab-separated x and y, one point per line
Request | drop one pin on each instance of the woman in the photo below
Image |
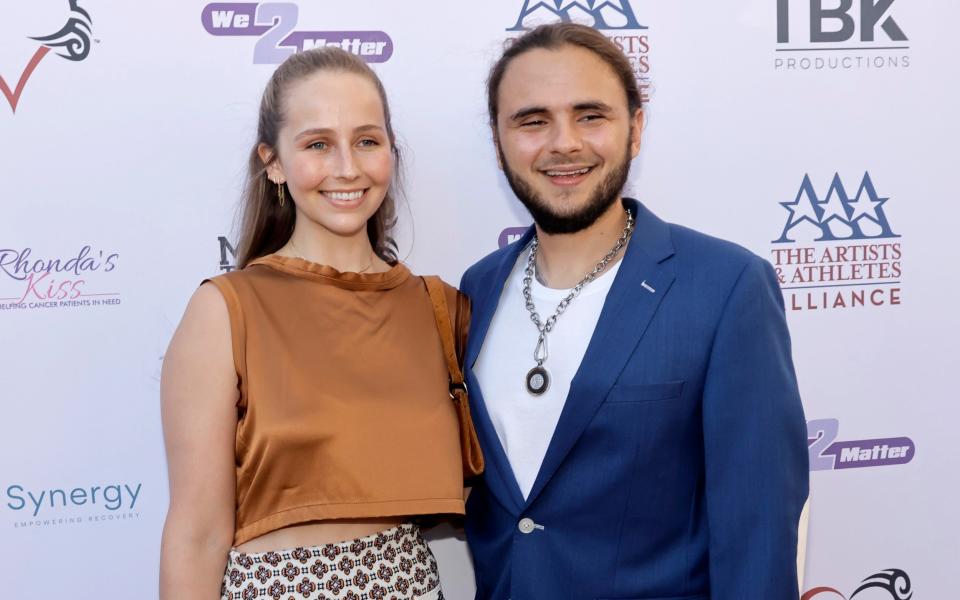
305	397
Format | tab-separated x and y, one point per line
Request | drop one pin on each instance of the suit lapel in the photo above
499	474
629	307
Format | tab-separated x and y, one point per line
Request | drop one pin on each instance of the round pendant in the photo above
538	380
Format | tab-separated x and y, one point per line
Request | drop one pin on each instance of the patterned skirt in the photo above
393	564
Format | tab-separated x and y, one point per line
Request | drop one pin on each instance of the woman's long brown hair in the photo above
265	225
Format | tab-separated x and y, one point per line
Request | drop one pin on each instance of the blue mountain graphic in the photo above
597	10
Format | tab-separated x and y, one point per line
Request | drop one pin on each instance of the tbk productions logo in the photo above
72	42
891	584
839	35
274	23
30	282
614	18
838	250
827	454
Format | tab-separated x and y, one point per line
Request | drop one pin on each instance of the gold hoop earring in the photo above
281	193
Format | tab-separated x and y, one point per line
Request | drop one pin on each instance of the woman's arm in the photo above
199	394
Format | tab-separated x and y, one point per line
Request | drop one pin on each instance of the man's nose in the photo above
566	138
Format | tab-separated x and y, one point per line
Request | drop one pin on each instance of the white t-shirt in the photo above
525	422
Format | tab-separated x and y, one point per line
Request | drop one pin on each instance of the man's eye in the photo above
592	117
535	123
318	146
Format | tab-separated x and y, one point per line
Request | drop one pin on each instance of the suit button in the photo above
526	525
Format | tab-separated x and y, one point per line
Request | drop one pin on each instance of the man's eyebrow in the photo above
579	106
526	112
593	105
327	130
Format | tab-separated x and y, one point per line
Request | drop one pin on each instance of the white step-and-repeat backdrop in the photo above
821	134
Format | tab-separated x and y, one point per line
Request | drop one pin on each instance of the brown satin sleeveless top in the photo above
344	410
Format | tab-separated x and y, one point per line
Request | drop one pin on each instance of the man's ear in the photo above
273	167
637	122
636	132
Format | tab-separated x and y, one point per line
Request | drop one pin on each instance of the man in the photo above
643	432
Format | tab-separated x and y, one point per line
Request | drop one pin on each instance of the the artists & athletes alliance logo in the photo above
838	250
29	508
839	35
889	584
275	26
829	454
31	282
614	18
71	41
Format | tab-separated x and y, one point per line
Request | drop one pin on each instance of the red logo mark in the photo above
13	97
820	590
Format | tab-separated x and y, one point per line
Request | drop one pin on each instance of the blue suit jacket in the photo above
678	468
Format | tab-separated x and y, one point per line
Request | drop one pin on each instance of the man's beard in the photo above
550	221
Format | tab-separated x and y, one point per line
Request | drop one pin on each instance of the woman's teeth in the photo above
345	195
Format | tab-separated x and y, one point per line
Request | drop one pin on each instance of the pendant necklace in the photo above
538	378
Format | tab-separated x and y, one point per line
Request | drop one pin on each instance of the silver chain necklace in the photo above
538	379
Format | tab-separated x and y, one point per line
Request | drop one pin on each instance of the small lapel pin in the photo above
647	287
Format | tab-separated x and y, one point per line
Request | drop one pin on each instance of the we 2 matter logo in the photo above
275	24
828	454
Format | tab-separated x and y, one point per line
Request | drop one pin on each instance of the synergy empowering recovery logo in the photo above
71	506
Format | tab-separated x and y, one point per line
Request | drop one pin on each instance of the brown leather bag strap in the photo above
470	452
441	314
463	321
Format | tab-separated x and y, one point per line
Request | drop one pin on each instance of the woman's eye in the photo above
367	143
